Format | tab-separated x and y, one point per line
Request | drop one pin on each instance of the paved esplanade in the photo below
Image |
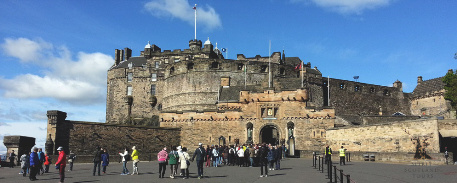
293	170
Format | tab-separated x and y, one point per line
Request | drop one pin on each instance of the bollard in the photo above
313	157
341	176
330	172
334	174
322	165
348	180
319	163
315	161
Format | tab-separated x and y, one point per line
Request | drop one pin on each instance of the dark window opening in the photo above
342	86
190	66
357	88
240	66
282	71
172	70
372	90
214	65
263	68
386	92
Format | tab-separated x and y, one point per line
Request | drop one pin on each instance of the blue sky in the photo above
55	54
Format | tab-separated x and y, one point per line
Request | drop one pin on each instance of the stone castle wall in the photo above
354	98
388	137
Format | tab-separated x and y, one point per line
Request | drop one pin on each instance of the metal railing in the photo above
334	174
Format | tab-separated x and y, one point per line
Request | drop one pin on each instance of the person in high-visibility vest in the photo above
328	154
342	156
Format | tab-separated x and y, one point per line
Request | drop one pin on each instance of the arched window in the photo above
249	128
172	70
290	129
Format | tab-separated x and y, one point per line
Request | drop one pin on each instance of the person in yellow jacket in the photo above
328	154
342	156
135	160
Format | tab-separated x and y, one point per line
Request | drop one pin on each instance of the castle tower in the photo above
56	131
195	44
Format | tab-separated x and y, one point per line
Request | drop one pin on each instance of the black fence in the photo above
334	174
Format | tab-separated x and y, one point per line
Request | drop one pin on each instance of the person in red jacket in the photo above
46	163
62	162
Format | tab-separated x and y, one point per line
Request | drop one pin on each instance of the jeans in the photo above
252	161
200	167
174	169
96	164
215	161
278	164
124	168
62	173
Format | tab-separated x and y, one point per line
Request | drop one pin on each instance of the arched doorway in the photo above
269	134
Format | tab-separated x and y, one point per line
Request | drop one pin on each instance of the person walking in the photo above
184	162
62	162
173	159
200	154
71	160
262	154
342	156
105	160
12	158
47	162
135	160
34	162
162	157
97	160
125	158
25	164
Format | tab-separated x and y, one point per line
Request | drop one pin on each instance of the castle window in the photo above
153	89
166	60
282	71
129	77
129	90
190	66
386	92
240	66
176	59
372	90
130	65
153	77
342	86
172	70
159	107
357	88
263	68
214	65
157	65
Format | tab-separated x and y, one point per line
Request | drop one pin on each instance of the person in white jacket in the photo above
184	159
125	171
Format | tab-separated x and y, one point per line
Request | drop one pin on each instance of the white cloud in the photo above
80	81
182	10
348	6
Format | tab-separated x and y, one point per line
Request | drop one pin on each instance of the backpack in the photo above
127	157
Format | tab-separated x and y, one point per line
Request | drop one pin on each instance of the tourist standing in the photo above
328	154
105	160
47	162
271	157
263	152
62	162
446	155
231	156
200	154
184	162
251	155
34	162
215	156
135	160
125	157
162	157
209	153
342	156
225	155
173	159
240	154
278	158
25	164
71	160
12	158
97	160
41	158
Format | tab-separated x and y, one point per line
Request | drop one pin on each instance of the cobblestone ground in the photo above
293	170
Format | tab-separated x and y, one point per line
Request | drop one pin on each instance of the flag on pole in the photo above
195	7
298	67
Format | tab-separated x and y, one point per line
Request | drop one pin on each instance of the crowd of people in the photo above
265	156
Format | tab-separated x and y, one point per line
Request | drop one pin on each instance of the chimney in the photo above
117	56
419	79
128	53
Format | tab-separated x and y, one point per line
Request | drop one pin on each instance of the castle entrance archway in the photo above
269	134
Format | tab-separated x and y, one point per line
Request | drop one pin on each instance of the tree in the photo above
450	85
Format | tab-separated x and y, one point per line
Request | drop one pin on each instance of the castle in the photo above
184	97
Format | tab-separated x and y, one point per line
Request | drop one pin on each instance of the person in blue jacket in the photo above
271	157
105	160
34	164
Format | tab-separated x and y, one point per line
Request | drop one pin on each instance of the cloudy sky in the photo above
55	54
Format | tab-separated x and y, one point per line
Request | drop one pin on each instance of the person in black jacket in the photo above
97	160
263	162
278	157
200	153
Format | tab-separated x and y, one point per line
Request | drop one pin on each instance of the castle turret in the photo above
398	84
195	44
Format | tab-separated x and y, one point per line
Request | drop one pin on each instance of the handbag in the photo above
58	166
187	162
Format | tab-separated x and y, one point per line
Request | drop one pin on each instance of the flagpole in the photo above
269	65
328	88
301	74
195	23
245	75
